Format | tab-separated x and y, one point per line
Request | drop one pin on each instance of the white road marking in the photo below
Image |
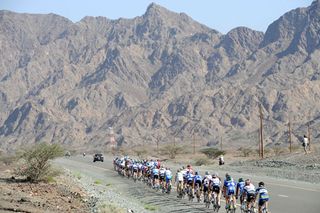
283	195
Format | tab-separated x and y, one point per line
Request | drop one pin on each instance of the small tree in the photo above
140	152
212	152
245	151
171	150
35	165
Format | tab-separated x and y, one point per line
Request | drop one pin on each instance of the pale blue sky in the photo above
221	15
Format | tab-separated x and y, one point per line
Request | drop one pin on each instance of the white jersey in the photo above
207	179
250	188
180	176
216	181
162	172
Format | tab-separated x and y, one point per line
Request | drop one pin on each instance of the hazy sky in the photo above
221	15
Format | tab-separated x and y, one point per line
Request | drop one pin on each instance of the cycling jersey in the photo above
197	178
250	192
135	167
168	175
155	171
241	185
190	178
216	181
250	189
263	195
230	186
179	176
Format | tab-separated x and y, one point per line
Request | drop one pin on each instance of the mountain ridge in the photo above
159	75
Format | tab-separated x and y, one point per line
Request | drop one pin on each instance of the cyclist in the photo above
189	179
162	174
206	183
250	192
168	179
239	192
155	172
263	195
216	186
197	180
179	181
229	189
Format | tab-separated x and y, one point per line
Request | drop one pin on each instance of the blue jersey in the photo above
190	177
155	171
230	186
197	178
263	194
240	185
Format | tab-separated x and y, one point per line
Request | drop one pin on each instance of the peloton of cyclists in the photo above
151	172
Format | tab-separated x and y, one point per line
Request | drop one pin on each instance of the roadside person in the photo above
305	144
221	160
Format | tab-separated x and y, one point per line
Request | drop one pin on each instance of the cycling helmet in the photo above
261	184
240	179
207	173
227	174
214	175
196	173
228	177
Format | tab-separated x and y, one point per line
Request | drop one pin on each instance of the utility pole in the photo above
261	133
309	136
157	141
194	144
290	140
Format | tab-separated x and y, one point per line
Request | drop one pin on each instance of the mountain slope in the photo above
159	75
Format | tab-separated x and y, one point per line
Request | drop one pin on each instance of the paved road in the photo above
286	196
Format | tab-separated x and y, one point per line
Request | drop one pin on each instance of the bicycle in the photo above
207	199
264	208
215	202
189	192
231	206
251	208
198	192
168	187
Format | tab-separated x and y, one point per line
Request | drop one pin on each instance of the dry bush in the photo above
212	152
35	164
171	150
202	161
246	151
278	150
141	153
7	159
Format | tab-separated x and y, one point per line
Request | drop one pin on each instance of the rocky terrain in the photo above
158	76
95	187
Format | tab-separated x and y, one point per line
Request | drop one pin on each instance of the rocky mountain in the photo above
160	76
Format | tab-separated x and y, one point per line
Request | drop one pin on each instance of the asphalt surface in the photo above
286	196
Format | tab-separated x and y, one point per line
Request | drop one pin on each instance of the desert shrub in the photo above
97	182
171	150
278	150
202	161
150	207
245	151
7	159
35	161
140	152
110	208
212	152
